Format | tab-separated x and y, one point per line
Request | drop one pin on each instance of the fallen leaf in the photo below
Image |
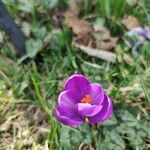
108	44
130	22
74	7
100	31
80	27
82	30
105	55
104	41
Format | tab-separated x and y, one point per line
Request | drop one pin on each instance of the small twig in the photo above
102	54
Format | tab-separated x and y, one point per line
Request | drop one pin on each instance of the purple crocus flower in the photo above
141	33
82	101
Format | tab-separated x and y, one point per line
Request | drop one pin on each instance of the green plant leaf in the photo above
50	3
33	47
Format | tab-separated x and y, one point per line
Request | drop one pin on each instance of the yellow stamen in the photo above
86	99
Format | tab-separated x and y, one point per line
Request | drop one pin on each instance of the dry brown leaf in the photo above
108	44
104	41
102	54
130	22
74	7
82	29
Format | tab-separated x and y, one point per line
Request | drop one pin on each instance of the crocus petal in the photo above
136	31
105	113
147	32
77	83
67	121
68	112
96	92
87	109
67	99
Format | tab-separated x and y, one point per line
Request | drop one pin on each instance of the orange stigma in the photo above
86	99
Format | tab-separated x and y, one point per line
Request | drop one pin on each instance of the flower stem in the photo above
95	135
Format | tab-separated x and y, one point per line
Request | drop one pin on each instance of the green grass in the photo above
40	81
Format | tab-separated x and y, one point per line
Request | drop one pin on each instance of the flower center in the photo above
86	99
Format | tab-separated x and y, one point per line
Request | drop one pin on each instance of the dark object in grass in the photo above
11	29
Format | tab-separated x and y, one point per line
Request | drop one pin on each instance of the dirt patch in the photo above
25	128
